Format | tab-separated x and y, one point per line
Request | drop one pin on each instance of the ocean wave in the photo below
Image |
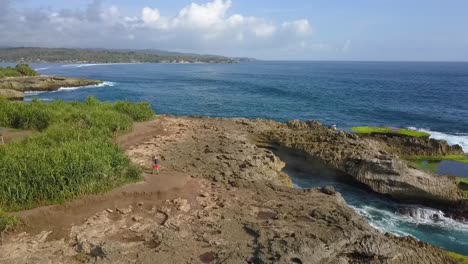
103	84
29	99
452	139
417	214
41	69
31	93
382	220
394	222
84	65
94	64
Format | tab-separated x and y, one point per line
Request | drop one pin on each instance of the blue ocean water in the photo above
430	97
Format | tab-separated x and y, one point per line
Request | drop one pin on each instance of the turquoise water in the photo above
427	224
429	97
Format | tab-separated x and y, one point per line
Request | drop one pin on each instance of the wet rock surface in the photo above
237	209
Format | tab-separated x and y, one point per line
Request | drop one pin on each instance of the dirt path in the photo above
154	190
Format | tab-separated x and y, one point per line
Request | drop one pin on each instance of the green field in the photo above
72	153
385	130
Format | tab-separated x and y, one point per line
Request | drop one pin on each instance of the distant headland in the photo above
63	55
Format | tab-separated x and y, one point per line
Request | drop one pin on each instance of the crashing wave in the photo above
452	139
425	215
103	84
394	222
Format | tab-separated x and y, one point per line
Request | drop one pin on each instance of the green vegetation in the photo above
460	259
459	158
72	154
104	56
425	165
18	71
386	130
7	221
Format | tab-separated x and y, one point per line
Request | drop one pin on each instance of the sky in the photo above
365	30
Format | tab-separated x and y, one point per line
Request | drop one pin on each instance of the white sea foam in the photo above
30	93
452	139
41	69
392	222
388	223
103	84
65	89
93	64
29	99
84	65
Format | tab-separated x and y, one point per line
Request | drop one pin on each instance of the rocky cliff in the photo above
14	88
368	161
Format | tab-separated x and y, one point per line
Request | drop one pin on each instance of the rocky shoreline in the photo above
13	88
375	162
232	203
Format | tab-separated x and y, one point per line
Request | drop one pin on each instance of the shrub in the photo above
25	70
19	70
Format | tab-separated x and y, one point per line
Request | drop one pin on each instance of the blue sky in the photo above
417	30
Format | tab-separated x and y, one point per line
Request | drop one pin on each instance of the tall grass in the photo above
73	154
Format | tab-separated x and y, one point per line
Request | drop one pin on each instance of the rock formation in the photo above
14	88
368	161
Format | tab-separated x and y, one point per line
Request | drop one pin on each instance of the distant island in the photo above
62	55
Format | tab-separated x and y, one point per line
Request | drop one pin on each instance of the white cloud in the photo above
150	16
346	46
196	27
300	27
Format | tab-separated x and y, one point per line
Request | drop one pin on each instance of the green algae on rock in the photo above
390	131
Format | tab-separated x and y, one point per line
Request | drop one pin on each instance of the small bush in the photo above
25	70
139	112
18	71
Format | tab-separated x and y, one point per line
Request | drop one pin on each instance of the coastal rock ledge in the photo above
372	162
13	88
220	198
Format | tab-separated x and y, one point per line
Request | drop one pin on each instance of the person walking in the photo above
156	164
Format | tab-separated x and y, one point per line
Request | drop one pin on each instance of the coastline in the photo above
15	88
232	186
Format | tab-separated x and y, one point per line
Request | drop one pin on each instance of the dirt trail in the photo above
151	192
154	190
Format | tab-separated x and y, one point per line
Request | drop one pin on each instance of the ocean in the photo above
425	96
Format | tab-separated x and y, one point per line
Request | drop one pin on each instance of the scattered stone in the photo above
182	205
328	190
124	211
137	218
